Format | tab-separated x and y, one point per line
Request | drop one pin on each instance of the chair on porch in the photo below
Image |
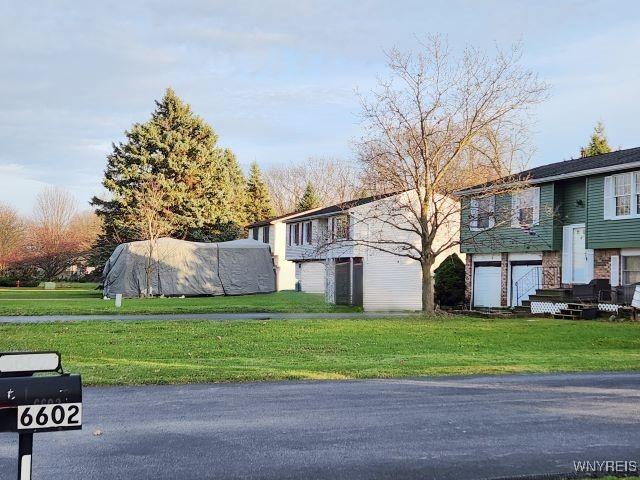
596	290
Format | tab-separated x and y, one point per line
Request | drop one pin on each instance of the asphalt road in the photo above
432	428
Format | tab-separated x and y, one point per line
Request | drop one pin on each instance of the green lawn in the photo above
85	299
199	351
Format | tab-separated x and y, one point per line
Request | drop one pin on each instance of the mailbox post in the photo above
31	404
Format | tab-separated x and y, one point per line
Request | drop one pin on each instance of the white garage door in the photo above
525	279
311	277
486	286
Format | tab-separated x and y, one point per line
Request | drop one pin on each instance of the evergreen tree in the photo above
178	151
449	282
308	200
258	204
598	143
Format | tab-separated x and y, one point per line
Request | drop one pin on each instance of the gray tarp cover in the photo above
190	268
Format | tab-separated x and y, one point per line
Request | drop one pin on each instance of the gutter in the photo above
581	173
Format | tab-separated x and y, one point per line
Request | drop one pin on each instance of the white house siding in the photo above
286	270
391	283
311	276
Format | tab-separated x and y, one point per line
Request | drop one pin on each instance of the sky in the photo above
278	80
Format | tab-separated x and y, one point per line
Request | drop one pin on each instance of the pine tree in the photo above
258	205
308	200
598	143
178	151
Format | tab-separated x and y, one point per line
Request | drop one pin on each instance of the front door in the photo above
577	261
579	256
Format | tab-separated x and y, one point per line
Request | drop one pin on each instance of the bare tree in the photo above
12	232
149	219
333	180
440	124
58	236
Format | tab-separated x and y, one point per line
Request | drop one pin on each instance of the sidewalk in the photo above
199	316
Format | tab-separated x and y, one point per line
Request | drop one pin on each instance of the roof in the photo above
341	207
575	167
267	221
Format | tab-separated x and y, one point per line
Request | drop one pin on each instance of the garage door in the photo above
486	286
525	279
312	277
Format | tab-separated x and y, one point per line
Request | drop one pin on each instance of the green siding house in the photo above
553	226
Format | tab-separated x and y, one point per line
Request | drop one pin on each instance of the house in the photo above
334	252
273	231
570	222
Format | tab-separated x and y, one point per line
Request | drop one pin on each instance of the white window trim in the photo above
473	215
515	208
609	195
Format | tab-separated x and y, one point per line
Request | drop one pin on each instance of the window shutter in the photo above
536	205
615	271
473	214
609	200
515	210
492	217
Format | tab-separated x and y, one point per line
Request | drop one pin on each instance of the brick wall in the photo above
602	262
504	280
551	265
468	269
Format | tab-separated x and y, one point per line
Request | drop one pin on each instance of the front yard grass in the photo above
84	299
115	353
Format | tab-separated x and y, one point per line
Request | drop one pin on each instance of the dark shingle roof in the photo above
576	165
268	221
341	207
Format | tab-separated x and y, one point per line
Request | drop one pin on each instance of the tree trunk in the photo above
428	305
149	270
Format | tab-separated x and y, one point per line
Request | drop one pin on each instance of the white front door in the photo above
577	260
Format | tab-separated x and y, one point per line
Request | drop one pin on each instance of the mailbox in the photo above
48	402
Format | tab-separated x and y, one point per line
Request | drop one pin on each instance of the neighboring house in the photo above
328	247
570	223
273	231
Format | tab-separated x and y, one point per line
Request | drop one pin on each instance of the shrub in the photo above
24	282
449	282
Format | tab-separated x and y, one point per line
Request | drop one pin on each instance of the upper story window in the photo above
265	234
525	207
622	195
308	233
482	213
339	227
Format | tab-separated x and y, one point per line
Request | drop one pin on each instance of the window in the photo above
631	269
622	196
340	227
265	234
525	206
296	234
482	213
255	233
308	232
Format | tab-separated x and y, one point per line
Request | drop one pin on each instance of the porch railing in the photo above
537	277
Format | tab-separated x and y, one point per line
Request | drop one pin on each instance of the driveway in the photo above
427	428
